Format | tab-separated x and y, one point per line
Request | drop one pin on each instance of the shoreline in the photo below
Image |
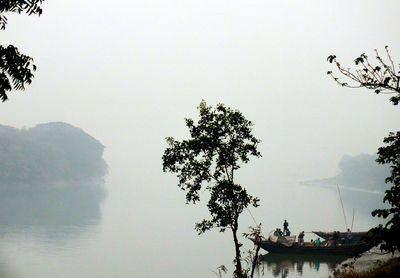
368	260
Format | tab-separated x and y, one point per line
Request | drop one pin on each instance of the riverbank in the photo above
372	263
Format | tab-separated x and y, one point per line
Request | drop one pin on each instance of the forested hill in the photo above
48	153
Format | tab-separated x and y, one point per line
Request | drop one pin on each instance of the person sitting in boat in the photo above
278	232
317	242
330	242
300	238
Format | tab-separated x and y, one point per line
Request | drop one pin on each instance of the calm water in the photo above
133	226
299	266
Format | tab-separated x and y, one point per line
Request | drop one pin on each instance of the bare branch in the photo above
381	78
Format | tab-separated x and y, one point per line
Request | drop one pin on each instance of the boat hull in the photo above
343	250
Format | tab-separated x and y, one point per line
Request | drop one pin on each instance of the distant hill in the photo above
49	153
361	172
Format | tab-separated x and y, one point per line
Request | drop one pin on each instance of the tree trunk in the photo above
238	270
255	260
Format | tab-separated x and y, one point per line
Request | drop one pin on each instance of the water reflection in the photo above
283	265
53	212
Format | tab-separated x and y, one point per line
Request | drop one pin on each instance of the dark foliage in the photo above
219	143
388	235
16	69
382	77
18	6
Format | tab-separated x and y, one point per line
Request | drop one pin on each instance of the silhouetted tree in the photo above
388	235
219	143
253	259
16	69
382	78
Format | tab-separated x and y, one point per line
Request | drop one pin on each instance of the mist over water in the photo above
137	228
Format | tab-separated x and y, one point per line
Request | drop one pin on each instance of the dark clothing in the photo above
285	228
335	235
301	238
349	237
285	225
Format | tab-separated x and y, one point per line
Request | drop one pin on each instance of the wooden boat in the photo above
281	245
355	236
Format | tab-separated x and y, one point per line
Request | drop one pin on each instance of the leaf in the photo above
331	58
359	60
387	80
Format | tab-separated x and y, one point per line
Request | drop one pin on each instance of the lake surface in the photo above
134	226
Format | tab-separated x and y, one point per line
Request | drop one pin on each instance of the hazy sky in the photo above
129	72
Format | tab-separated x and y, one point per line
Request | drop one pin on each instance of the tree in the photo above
219	143
16	69
382	78
253	259
388	235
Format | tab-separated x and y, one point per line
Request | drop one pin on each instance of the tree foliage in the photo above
389	234
16	69
253	259
382	77
220	142
18	6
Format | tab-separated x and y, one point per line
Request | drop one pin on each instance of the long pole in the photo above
352	222
344	214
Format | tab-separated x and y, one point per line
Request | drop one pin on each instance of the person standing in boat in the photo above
301	238
349	236
286	231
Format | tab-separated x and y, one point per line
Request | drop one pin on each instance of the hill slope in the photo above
49	153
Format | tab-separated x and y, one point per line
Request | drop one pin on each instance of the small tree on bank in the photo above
383	78
219	143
